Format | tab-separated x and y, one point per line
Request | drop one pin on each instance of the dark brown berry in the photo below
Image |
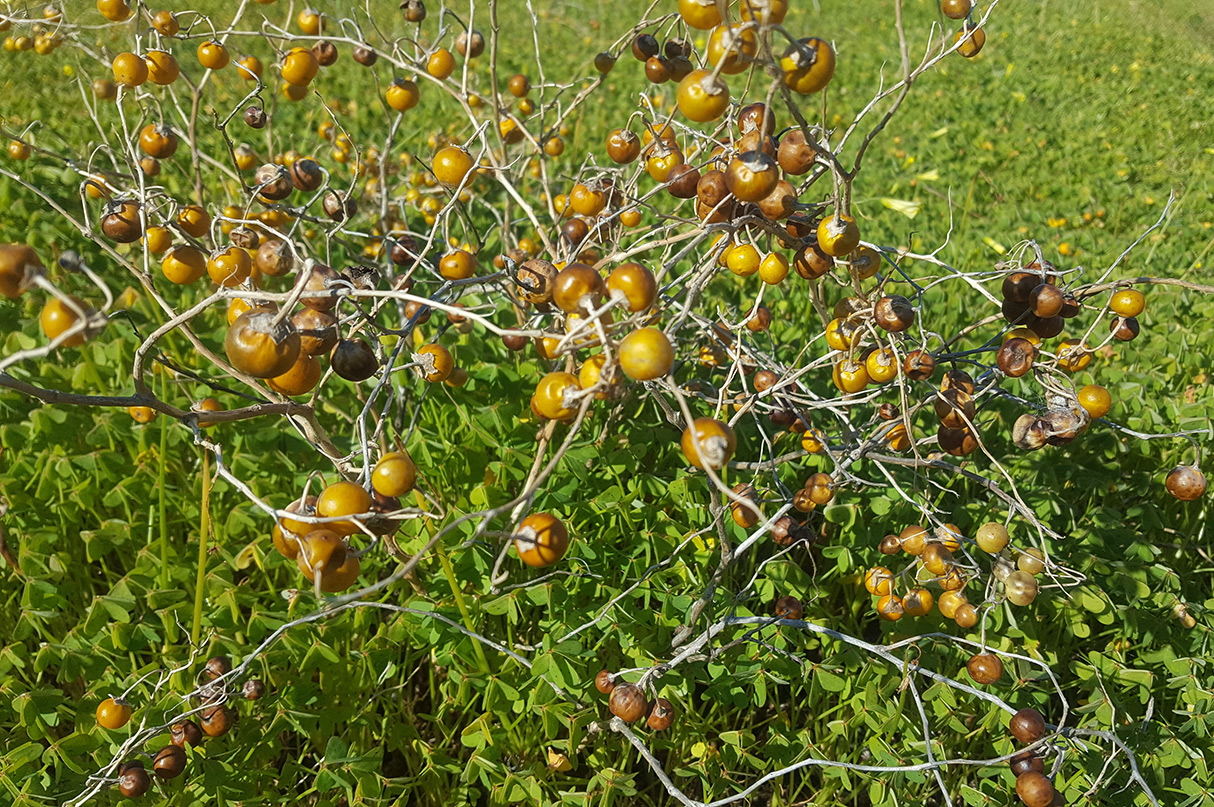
184	733
217	666
217	720
1027	726
789	607
169	762
133	779
253	689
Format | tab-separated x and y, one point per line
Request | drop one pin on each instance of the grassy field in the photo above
1073	127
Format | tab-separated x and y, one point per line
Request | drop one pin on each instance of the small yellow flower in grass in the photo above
1056	221
1066	249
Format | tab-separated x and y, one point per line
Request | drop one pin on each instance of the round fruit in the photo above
217	721
577	286
914	539
1026	761
917	602
194	221
1015	357
470	44
1034	789
341	577
894	313
184	733
169	762
890	607
394	474
971	42
216	667
708	443
184	265
451	165
991	537
1021	588
342	499
321	550
17	266
838	235
646	354
142	414
253	689
121	222
701	97
354	360
402	95
133	779
878	581
1128	303
550	395
300	379
541	539
1031	561
956	9
603	682
628	703
113	714
789	607
414	10
441	363
732	47
661	715
162	67
1186	483
58	317
1124	329
985	668
808	65
129	70
1095	400
257	346
213	56
701	14
752	175
636	283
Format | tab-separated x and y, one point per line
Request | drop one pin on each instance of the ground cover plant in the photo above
605	403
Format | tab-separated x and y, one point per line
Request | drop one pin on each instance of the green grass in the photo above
1099	108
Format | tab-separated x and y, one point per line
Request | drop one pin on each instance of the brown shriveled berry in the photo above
783	531
894	313
253	689
628	703
661	715
1015	357
184	733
